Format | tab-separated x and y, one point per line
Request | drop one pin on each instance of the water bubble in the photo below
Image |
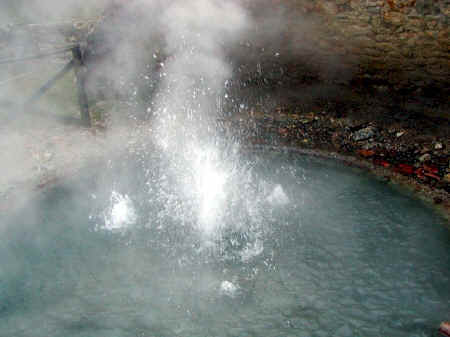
120	213
228	288
210	185
278	197
252	250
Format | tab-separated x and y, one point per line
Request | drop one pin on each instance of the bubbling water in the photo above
299	246
209	182
120	213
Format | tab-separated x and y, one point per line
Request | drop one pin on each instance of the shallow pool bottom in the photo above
274	244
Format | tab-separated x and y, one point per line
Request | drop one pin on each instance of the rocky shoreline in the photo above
402	147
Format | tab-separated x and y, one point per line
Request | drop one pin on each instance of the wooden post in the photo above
80	74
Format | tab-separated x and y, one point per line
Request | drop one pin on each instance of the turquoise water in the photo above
273	245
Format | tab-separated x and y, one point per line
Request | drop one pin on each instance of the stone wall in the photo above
402	43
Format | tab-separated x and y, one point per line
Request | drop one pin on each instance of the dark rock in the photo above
438	146
447	178
375	10
427	7
366	153
364	134
424	157
404	169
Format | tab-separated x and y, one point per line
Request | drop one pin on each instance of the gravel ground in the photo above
36	152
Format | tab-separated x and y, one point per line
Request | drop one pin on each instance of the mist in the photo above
161	72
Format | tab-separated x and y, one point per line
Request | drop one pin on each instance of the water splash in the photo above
210	182
278	197
120	213
229	289
252	250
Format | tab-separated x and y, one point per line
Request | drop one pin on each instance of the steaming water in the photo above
270	245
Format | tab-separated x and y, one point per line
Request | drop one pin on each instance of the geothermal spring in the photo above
193	233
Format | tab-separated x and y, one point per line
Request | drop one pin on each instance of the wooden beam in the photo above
80	73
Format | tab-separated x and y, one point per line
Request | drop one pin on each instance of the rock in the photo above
364	134
424	157
382	163
374	10
305	121
446	178
393	18
366	153
431	175
424	150
404	169
431	169
369	145
284	132
329	8
381	88
438	146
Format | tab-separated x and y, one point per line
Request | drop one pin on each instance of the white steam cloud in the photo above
197	34
177	63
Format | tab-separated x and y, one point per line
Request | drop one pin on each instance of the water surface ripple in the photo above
274	245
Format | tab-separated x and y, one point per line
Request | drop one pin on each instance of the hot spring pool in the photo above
273	245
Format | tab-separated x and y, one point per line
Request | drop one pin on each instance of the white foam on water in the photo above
278	197
228	288
252	250
120	213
